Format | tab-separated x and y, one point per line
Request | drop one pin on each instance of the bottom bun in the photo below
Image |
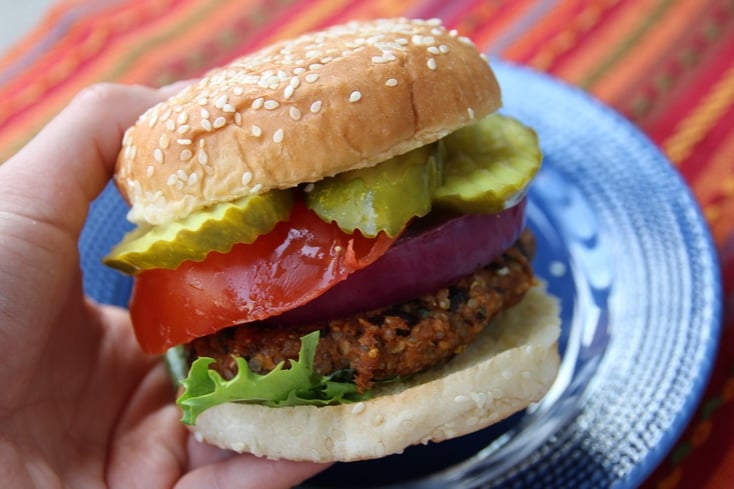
511	365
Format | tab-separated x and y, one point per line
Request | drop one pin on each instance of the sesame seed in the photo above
165	115
358	408
355	96
206	125
258	103
204	114
315	107
202	101
315	66
182	175
312	77
228	108
183	118
443	48
434	50
149	171
203	157
288	92
172	179
271	105
158	155
238	91
391	82
193	178
299	70
219	122
278	136
163	141
470	111
431	64
183	142
170	125
378	59
256	131
153	119
220	102
256	188
295	82
246	178
183	129
295	113
238	118
309	187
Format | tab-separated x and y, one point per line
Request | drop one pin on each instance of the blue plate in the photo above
623	244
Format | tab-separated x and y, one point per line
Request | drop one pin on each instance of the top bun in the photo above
344	98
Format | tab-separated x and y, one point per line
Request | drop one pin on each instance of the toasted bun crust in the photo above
347	97
511	365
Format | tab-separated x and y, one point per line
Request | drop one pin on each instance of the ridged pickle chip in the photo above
488	165
217	228
380	198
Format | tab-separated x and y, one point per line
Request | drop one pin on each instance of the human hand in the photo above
80	405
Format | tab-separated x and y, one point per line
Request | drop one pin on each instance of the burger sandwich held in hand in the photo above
331	245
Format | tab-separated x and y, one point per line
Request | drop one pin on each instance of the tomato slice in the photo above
296	262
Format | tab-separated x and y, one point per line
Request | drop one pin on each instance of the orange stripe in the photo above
30	120
588	55
718	176
306	19
375	9
543	31
38	33
691	130
492	28
636	64
160	45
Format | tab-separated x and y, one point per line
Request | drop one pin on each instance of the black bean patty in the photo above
397	340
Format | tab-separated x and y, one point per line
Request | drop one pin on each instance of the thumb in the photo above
55	176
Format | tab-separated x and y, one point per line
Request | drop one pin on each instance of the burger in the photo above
331	249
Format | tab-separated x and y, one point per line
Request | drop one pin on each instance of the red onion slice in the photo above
429	256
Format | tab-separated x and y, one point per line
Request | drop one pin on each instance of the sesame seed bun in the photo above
344	98
512	364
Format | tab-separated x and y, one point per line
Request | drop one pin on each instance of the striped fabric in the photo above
668	65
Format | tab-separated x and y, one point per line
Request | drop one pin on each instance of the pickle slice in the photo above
488	165
380	198
217	228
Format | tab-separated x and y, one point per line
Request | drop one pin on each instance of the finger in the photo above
246	471
201	454
55	177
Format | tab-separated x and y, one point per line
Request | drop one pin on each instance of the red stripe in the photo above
697	164
555	23
691	90
40	76
608	12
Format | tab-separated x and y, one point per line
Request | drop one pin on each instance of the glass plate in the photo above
623	244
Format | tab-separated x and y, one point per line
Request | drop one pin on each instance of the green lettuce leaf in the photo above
297	385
